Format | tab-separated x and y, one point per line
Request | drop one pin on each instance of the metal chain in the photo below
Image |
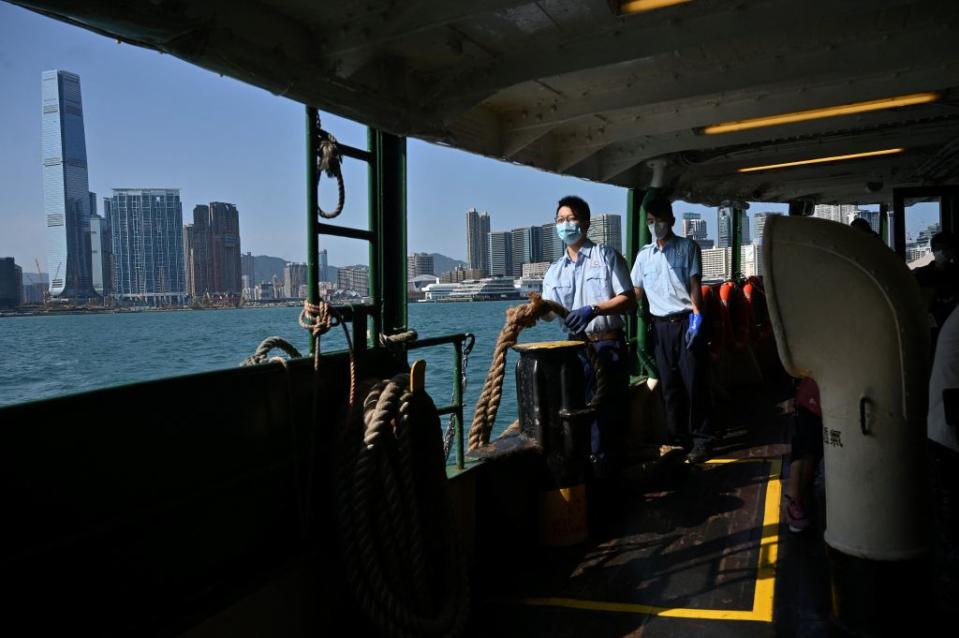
450	432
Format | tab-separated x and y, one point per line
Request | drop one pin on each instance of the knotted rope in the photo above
318	319
403	562
329	161
518	318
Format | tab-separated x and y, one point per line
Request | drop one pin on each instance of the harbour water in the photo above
53	355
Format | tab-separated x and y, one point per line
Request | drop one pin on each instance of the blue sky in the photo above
152	120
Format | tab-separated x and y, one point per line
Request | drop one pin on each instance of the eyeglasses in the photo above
560	220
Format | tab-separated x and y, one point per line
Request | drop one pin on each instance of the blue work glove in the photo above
578	319
695	323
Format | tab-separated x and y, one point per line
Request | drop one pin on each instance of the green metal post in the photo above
388	206
637	236
312	233
376	215
458	402
737	240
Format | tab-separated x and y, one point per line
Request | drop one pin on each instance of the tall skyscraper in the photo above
477	240
147	226
607	229
501	254
552	244
725	220
759	219
248	267
694	226
213	257
527	247
324	267
101	254
66	194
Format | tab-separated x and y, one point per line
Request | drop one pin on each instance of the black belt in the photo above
678	316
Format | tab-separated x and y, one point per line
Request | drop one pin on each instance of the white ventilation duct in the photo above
847	312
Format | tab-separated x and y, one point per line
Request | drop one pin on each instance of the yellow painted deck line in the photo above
763	598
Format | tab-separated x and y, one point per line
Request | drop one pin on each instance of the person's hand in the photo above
578	319
695	323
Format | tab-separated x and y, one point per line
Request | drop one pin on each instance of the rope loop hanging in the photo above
329	160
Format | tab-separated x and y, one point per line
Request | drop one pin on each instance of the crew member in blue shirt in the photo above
668	271
592	281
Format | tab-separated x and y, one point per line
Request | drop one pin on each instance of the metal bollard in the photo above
552	412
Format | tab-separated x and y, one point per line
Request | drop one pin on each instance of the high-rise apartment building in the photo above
759	220
355	278
843	214
606	229
527	247
213	256
11	283
501	254
147	227
66	194
477	240
101	255
694	226
419	264
552	244
294	280
725	221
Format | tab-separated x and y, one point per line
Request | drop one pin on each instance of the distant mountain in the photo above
35	278
265	267
442	263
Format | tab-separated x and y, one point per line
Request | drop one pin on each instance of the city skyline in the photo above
223	128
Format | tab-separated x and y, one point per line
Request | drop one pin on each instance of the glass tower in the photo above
66	194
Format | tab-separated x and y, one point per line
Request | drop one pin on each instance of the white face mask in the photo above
659	230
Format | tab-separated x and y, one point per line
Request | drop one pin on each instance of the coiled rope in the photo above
518	318
404	565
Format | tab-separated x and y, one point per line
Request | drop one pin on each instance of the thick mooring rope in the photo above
518	318
262	354
403	562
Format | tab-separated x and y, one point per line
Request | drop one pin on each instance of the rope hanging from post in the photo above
518	318
329	161
403	562
318	319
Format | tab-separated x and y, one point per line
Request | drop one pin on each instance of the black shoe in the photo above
701	452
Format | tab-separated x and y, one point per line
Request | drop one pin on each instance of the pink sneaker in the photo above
796	517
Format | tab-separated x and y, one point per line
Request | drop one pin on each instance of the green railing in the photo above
456	407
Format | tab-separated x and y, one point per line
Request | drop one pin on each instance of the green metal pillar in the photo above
312	232
637	236
388	224
737	241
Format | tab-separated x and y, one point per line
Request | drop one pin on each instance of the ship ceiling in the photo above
574	87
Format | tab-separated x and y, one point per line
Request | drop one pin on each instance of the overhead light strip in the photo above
822	160
816	114
640	6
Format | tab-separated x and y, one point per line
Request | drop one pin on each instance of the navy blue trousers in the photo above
682	378
607	427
